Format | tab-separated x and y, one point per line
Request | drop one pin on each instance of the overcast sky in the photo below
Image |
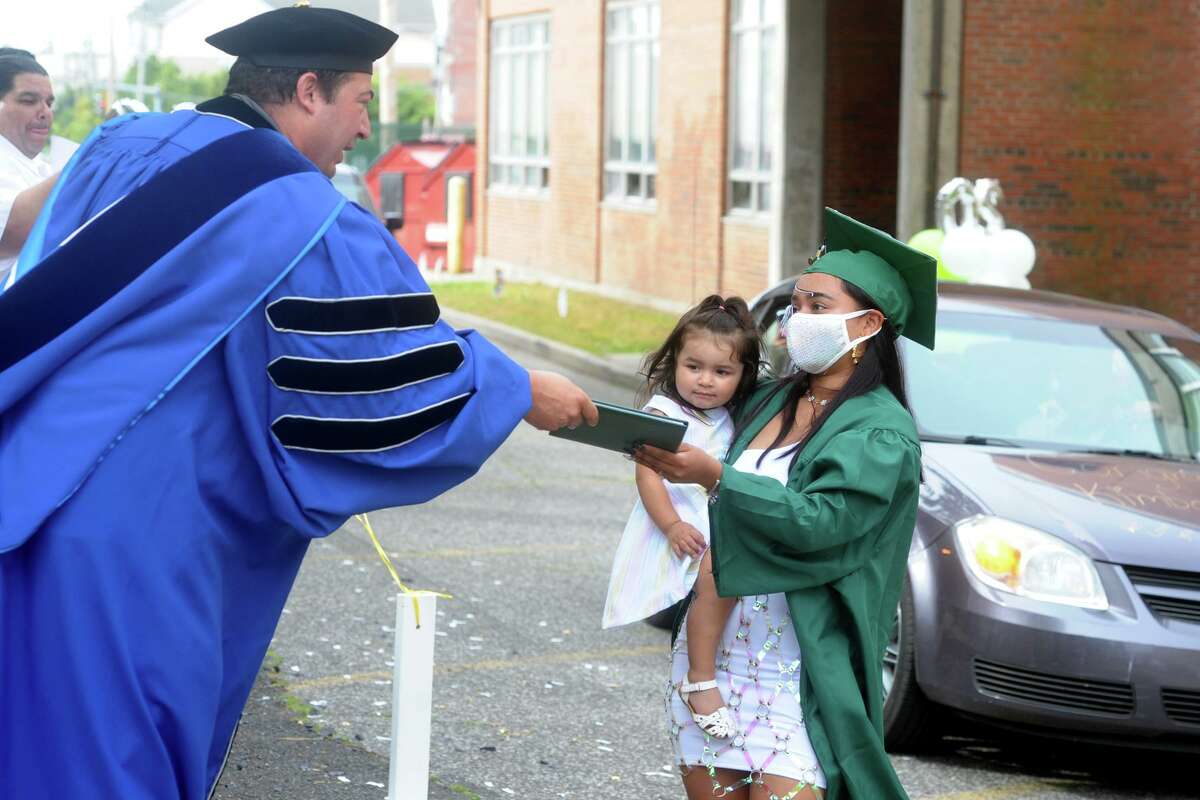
63	24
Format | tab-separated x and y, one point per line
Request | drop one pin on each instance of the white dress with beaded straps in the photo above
646	575
758	673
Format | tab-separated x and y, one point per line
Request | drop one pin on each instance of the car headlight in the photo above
1015	558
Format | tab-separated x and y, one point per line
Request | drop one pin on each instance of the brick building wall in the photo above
673	250
461	49
862	109
1089	114
556	233
744	258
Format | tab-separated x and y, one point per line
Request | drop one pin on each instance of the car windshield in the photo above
353	188
1056	384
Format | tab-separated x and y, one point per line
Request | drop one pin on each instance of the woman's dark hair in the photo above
277	85
725	317
880	364
14	62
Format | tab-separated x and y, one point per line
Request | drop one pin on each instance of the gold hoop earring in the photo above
854	356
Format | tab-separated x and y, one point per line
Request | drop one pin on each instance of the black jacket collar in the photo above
232	106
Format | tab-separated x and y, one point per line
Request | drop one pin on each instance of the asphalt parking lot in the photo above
531	698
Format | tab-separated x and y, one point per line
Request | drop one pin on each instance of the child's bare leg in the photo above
706	618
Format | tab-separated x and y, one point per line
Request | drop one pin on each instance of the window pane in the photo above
618	22
533	107
520	35
655	19
640	19
741	195
544	178
749	14
613	183
650	186
638	117
633	184
520	82
538	104
532	176
772	12
619	110
652	104
768	100
764	196
745	136
503	88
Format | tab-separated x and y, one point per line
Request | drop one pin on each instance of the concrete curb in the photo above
568	357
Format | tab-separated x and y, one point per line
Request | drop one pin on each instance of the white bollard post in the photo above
412	697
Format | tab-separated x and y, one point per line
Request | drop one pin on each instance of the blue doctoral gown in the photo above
166	458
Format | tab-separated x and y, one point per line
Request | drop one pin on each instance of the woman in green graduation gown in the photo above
830	530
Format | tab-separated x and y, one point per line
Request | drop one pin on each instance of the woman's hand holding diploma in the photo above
689	465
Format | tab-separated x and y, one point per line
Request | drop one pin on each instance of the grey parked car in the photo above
1054	579
349	181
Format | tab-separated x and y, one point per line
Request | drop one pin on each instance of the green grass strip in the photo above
597	324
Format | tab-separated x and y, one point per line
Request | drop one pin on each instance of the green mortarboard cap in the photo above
901	280
300	37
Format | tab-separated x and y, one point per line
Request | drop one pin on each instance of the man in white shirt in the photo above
26	114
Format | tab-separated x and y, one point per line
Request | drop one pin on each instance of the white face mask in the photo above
816	341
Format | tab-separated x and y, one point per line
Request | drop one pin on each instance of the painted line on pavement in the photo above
573	656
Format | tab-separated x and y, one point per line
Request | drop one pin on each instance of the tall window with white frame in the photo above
631	100
519	142
754	37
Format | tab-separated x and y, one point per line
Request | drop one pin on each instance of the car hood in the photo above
1120	509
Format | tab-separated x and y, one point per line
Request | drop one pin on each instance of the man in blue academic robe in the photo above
208	358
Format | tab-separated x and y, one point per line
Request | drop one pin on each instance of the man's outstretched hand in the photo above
558	403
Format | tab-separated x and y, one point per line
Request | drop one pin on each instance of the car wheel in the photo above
911	723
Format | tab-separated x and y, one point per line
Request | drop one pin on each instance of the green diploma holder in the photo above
623	429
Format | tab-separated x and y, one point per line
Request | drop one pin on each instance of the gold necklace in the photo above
817	405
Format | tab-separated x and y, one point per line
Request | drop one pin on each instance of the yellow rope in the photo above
387	562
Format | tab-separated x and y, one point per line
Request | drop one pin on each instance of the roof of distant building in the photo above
406	14
154	9
367	9
413	14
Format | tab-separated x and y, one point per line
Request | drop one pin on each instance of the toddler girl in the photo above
707	365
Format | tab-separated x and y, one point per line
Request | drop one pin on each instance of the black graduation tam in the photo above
301	37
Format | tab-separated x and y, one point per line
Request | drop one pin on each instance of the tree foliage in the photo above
76	112
174	85
414	103
80	109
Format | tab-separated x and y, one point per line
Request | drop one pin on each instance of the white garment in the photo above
758	674
17	173
646	575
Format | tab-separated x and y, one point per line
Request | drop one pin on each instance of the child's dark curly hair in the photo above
725	317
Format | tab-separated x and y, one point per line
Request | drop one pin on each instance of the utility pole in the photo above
110	94
141	63
387	88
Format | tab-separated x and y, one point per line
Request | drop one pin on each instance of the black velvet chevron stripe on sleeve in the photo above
364	435
366	376
342	315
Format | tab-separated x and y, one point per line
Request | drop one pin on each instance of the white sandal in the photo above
718	724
